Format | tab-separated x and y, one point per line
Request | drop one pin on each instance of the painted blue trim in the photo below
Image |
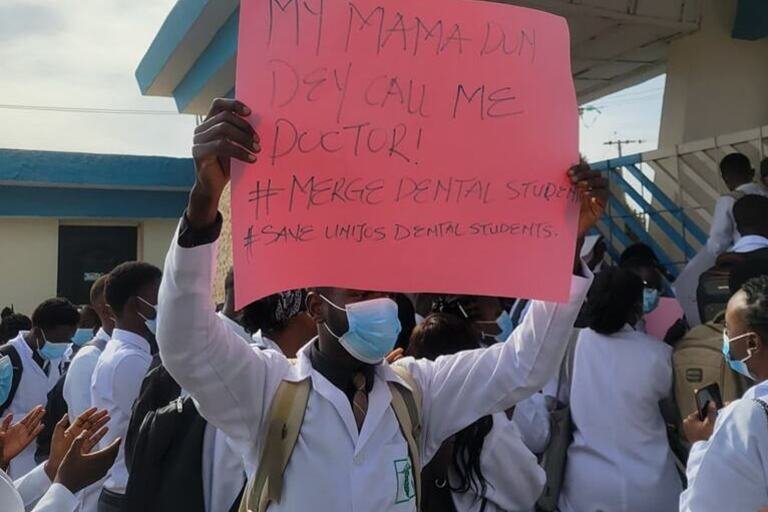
630	220
89	203
667	203
95	170
608	165
656	217
171	33
219	52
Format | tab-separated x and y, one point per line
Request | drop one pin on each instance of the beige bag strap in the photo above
406	404
285	418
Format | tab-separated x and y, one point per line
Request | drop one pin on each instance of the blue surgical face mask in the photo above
52	351
505	325
373	329
82	336
650	299
739	366
6	378
151	323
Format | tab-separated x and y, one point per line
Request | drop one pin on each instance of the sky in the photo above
83	54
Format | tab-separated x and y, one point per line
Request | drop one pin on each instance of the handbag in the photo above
560	438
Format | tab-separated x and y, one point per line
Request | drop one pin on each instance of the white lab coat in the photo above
749	243
223	467
35	492
514	478
333	467
730	471
32	391
77	394
722	235
77	383
115	385
620	459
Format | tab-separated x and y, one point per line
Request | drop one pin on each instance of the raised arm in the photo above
459	389
232	382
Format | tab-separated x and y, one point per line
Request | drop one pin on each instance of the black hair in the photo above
757	305
97	289
12	325
271	314
639	251
745	271
126	280
444	334
612	299
406	313
736	165
751	213
56	312
764	168
7	311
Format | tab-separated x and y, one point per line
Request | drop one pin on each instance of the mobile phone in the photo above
709	393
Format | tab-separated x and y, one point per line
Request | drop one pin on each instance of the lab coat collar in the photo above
101	334
750	243
379	398
265	343
131	339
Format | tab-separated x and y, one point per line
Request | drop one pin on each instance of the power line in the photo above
88	110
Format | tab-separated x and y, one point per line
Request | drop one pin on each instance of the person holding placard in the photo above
352	449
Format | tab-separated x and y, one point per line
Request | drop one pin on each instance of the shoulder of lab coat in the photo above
33	485
461	388
514	489
728	471
232	382
77	382
721	232
57	499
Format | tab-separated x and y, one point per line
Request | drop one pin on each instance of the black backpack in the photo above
18	370
55	408
713	292
166	468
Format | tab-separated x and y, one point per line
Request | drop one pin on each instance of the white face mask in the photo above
151	323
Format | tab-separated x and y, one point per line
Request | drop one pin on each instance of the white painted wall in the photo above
715	84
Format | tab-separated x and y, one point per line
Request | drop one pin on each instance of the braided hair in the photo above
613	299
756	290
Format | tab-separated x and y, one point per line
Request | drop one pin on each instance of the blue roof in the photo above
86	185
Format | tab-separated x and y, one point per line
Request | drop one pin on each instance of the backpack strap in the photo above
285	418
18	369
406	404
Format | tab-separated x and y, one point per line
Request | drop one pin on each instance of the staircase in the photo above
666	198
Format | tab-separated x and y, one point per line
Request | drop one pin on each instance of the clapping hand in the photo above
14	438
92	422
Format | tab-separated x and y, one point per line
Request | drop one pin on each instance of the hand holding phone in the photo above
705	395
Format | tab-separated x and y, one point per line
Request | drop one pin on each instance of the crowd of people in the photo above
154	398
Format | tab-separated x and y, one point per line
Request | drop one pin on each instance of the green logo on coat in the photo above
406	487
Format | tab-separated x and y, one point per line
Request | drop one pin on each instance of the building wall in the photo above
715	84
29	262
30	252
155	239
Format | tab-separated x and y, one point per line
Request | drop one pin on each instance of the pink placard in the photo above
406	146
658	321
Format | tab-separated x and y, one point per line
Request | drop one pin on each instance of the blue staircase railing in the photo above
670	219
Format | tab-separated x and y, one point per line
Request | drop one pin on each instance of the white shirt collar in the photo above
101	334
131	339
264	343
750	243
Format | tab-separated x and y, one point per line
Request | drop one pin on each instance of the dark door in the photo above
87	252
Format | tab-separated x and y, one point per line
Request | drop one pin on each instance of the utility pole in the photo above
620	144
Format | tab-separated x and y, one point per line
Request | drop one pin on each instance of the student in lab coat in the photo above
738	175
729	470
487	466
131	292
54	322
51	486
620	460
346	459
77	381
